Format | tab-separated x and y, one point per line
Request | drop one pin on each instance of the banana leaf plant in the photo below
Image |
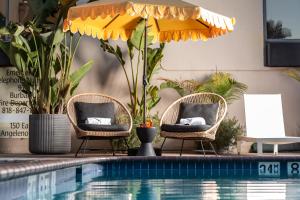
135	46
44	60
135	51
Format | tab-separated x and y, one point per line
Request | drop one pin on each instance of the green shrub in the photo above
227	133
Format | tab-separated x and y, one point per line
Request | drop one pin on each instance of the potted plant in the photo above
43	58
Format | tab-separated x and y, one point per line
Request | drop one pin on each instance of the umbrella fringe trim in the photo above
156	11
163	36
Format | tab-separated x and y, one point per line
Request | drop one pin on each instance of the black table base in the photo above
146	136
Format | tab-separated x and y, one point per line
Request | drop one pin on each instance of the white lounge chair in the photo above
264	122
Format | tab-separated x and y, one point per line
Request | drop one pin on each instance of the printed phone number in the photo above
9	110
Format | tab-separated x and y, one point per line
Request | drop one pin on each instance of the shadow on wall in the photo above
105	65
106	76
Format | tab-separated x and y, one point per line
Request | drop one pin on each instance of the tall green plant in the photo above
43	60
135	47
220	83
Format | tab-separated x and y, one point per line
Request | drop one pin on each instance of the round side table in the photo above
146	136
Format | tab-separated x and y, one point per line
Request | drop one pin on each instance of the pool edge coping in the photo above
31	167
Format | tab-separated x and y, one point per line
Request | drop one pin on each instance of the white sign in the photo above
269	169
13	114
293	169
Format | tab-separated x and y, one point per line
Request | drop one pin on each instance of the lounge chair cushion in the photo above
206	111
95	127
184	128
100	110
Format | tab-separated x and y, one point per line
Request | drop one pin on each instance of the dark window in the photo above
282	33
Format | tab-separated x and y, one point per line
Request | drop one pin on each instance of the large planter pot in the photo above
49	134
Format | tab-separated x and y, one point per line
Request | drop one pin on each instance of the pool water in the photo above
207	189
161	178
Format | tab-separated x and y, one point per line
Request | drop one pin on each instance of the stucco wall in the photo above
240	53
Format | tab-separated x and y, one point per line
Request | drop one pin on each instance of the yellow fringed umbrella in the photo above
168	20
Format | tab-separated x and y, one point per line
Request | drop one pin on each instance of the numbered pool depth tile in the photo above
293	169
269	169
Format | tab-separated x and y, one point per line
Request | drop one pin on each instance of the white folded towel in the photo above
98	121
193	121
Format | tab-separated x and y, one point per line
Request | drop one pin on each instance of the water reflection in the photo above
50	184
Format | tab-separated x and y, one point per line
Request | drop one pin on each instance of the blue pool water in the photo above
163	179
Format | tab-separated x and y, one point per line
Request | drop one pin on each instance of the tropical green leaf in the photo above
58	37
4	46
120	55
295	74
219	83
18	30
154	57
4	31
130	49
77	76
224	85
172	85
54	95
137	36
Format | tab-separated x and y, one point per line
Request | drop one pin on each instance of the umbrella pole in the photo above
145	71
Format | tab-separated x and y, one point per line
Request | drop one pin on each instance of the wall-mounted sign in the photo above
14	115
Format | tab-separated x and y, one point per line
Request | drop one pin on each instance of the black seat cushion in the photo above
206	111
95	127
184	128
101	110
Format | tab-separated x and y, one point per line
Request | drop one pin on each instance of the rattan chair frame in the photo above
122	114
171	114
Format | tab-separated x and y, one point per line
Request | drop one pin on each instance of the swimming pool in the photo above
164	178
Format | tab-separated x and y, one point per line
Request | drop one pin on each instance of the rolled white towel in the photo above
193	121
98	121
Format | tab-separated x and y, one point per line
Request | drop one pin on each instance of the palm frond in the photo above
219	83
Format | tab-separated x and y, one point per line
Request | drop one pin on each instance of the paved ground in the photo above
4	157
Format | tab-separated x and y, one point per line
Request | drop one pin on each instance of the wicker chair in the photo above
122	117
171	114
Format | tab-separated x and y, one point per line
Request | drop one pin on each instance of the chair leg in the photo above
162	145
202	147
181	147
112	147
85	145
212	146
79	148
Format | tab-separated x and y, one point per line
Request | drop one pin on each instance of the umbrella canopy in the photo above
166	20
169	20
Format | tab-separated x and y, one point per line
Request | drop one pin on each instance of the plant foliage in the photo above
135	48
227	134
295	74
43	56
220	83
